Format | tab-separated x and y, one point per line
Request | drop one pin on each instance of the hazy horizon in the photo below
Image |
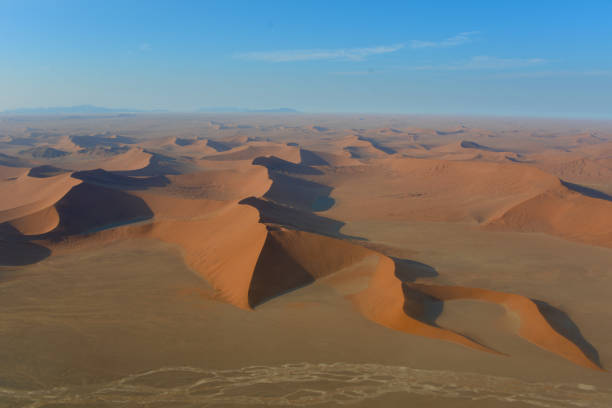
537	60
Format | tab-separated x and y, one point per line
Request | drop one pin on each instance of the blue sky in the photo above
535	58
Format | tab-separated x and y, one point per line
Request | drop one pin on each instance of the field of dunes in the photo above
149	253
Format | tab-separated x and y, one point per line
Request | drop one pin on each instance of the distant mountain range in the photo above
91	109
245	110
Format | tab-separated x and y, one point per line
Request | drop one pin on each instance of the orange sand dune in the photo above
533	326
28	195
108	199
321	158
359	148
223	249
291	259
87	208
561	212
403	306
135	158
233	183
226	204
37	223
469	150
7	173
220	239
385	302
253	150
166	206
434	190
575	168
66	143
183	146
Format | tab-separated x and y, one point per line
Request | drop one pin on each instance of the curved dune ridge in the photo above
405	306
28	195
182	145
470	150
290	259
435	190
134	158
564	213
37	223
533	325
246	220
252	150
386	302
360	147
9	173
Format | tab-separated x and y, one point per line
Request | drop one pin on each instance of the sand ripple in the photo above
304	384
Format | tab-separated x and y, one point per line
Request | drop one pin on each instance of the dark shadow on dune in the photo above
291	201
407	270
589	192
22	141
563	325
448	133
117	180
12	161
310	158
417	304
467	144
184	142
390	130
89	208
89	141
377	145
427	309
16	250
355	152
45	152
249	152
276	273
21	253
46	171
299	193
421	306
322	203
273	163
273	213
220	146
105	151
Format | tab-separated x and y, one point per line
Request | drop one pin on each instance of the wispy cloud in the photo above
484	62
459	39
351	54
556	74
144	47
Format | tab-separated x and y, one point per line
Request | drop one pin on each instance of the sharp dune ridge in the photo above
534	326
262	220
